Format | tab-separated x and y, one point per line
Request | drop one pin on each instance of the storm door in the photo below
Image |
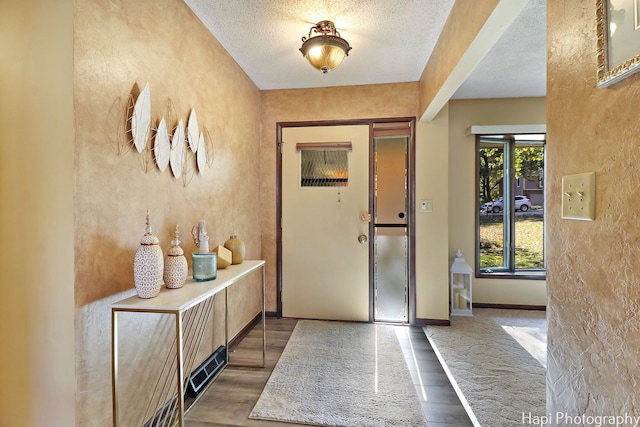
390	224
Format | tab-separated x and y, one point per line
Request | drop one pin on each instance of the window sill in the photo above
520	275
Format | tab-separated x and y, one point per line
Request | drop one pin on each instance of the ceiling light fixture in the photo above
326	50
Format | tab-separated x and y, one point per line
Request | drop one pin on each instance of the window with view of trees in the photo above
510	234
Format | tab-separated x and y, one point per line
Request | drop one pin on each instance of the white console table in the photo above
177	302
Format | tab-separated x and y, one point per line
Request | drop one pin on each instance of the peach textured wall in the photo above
462	195
37	382
119	46
594	267
463	24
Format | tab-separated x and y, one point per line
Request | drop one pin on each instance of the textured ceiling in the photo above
391	39
517	64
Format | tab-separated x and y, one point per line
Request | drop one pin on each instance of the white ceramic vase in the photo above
176	268
148	265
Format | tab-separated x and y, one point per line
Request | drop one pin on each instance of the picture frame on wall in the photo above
618	37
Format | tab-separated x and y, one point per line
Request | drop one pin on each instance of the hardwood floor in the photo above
229	400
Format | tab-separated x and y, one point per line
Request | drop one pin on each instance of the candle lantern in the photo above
460	282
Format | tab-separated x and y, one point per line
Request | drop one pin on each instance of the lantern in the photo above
460	281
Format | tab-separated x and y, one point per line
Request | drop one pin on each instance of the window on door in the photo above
510	221
324	164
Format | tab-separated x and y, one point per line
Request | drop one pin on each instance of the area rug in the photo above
341	374
496	360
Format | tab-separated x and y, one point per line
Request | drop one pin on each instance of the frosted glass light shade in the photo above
326	50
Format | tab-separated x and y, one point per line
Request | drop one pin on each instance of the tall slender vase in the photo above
237	248
148	265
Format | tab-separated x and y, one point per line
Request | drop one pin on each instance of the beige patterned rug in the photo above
497	360
341	374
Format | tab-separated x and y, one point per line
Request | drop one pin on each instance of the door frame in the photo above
410	195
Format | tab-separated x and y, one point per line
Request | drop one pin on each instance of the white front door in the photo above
325	268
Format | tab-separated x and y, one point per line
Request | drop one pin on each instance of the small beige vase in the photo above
176	268
237	248
148	265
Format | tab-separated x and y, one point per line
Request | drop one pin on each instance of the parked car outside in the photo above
522	203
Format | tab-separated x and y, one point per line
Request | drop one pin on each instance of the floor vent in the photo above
167	415
205	372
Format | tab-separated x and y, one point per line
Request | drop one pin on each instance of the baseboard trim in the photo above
510	306
432	322
233	343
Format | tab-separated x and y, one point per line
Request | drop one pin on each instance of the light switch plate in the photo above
579	196
426	205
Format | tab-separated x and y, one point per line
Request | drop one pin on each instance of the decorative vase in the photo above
175	265
148	265
237	248
204	266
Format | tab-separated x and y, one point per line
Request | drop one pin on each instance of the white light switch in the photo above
426	205
579	196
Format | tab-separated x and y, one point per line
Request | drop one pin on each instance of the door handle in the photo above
362	239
